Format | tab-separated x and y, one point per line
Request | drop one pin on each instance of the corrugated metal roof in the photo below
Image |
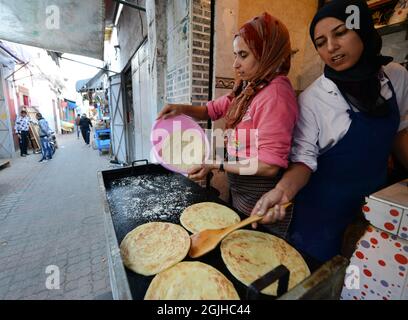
95	82
67	26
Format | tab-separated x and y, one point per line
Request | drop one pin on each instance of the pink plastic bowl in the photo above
162	128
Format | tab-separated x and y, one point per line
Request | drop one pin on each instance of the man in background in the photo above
44	131
77	120
85	124
21	127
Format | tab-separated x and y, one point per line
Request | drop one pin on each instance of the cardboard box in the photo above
379	266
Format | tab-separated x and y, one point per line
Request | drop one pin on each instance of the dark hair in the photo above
23	111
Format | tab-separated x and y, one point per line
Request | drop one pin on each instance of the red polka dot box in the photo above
378	269
388	209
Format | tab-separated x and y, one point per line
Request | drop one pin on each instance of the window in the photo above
26	100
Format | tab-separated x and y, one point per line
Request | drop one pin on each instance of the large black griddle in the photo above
133	191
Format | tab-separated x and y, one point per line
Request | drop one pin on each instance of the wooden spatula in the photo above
206	240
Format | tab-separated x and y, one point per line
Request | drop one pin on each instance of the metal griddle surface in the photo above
159	195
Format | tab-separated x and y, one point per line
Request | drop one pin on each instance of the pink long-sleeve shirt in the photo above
265	131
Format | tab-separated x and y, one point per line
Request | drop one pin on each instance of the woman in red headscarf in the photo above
260	113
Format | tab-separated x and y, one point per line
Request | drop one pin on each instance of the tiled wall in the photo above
178	89
201	33
188	52
178	82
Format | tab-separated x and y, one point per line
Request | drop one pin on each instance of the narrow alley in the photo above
51	215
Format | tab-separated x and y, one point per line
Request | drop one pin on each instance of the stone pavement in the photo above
51	215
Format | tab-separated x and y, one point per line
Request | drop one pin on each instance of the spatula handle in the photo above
249	220
283	205
244	223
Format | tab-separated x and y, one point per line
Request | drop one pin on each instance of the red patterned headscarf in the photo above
268	39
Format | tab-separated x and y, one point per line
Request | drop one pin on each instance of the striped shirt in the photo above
247	190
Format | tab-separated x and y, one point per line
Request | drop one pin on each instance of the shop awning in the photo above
71	104
80	85
67	26
95	83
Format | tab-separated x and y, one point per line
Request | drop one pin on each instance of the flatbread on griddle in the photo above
207	215
154	247
249	255
191	281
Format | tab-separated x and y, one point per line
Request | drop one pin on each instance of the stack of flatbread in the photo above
154	247
207	215
191	281
249	255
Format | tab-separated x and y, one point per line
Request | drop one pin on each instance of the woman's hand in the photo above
170	110
271	207
199	172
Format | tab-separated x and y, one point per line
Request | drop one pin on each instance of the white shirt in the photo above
324	121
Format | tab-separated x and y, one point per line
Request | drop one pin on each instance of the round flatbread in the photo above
249	255
207	215
154	247
191	281
183	149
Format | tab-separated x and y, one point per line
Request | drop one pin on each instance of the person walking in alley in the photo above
85	125
21	127
44	130
77	120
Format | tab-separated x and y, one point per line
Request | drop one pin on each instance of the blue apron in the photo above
354	168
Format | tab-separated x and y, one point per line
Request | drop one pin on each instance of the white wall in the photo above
41	98
6	137
112	55
178	80
226	25
226	19
132	29
42	77
143	114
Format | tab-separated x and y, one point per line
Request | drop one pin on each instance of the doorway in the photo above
129	114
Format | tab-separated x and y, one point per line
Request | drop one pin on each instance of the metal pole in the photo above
17	70
211	74
90	65
11	54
